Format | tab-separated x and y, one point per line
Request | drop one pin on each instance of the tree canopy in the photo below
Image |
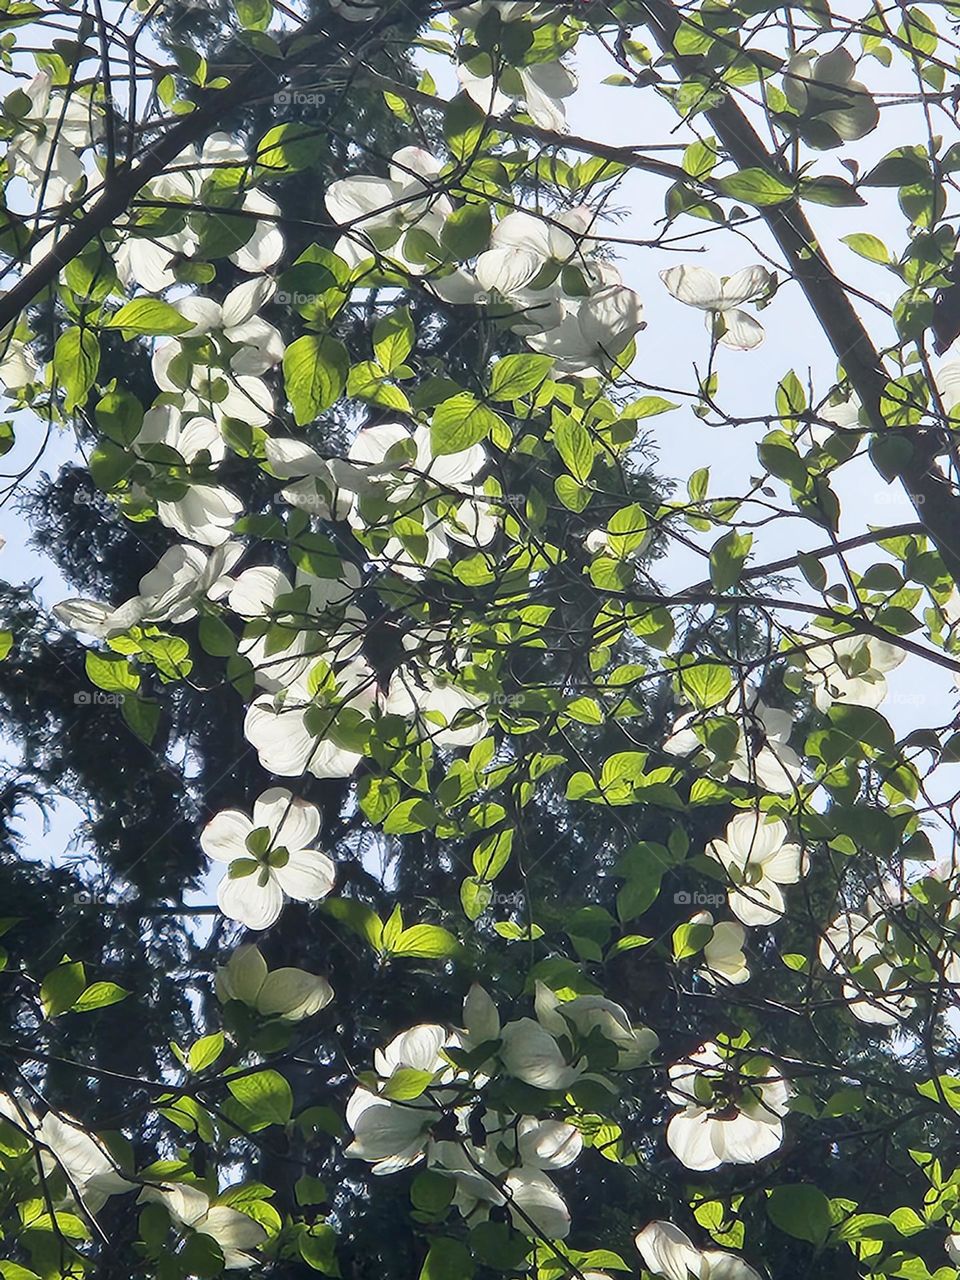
579	832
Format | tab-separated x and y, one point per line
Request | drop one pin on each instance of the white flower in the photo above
861	949
282	651
726	1119
437	707
724	961
758	860
586	1014
669	1253
267	857
291	994
296	732
49	136
149	261
593	332
722	299
508	1168
393	1135
18	367
539	89
236	323
952	1247
91	1171
530	1053
205	513
235	1234
170	591
522	244
761	752
836	108
849	669
379	212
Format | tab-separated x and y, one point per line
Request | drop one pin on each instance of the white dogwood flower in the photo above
835	107
593	332
669	1253
723	959
234	1233
296	730
169	592
437	707
204	512
393	1135
725	1118
530	1053
722	298
584	1015
288	993
862	950
52	131
522	244
267	857
150	261
379	212
758	860
849	669
90	1169
538	89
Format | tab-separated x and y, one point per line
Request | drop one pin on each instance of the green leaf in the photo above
393	339
460	422
142	716
425	941
76	359
801	1211
727	558
756	187
627	530
318	1248
516	376
287	148
407	1083
266	1094
315	375
309	1190
467	231
6	644
148	318
689	939
62	987
114	675
476	895
205	1051
98	995
868	246
119	415
706	684
447	1260
463	125
575	447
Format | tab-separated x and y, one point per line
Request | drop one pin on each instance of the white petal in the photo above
255	905
694	286
224	837
308	876
293	823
